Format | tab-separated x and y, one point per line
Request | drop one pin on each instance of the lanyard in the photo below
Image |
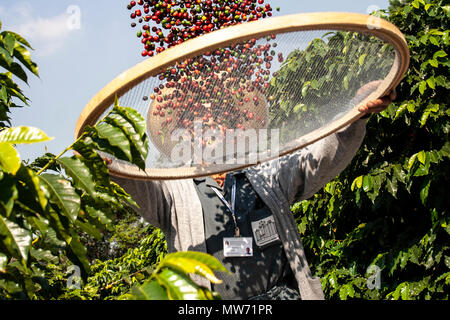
232	206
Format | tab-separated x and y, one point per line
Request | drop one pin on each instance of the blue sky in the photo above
78	57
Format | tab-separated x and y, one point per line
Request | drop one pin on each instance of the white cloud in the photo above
46	34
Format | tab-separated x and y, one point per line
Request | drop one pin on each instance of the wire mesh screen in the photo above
240	105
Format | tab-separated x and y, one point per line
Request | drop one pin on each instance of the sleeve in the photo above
152	198
302	174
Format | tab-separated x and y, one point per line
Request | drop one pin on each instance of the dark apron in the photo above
266	275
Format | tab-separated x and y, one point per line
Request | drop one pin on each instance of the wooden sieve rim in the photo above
343	21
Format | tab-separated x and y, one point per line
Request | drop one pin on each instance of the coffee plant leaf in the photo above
22	134
151	290
80	174
9	158
63	194
178	285
15	238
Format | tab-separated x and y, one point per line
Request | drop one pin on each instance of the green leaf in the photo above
346	290
401	110
63	195
80	174
43	255
195	263
89	229
9	158
345	82
412	160
434	40
9	41
22	134
16	70
422	87
305	88
405	291
424	168
135	139
4	95
422	157
424	39
179	286
367	183
392	187
18	38
115	137
442	81
134	117
79	249
362	58
3	262
121	194
151	290
40	224
424	118
98	168
439	54
424	191
299	107
446	150
24	56
357	182
12	88
4	54
15	238
333	280
434	63
206	259
431	82
411	107
138	147
8	194
33	185
98	215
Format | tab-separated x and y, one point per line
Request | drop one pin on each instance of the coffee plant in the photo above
385	217
51	209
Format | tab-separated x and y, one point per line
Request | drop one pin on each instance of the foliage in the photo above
115	273
146	272
44	213
170	279
54	209
14	57
388	211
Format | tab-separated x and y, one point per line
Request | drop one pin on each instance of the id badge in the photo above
238	247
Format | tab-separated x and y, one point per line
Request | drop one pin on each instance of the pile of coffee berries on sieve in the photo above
225	88
166	23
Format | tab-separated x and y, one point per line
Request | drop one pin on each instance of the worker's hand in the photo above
378	105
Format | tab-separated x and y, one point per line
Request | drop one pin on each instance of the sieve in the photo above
253	92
